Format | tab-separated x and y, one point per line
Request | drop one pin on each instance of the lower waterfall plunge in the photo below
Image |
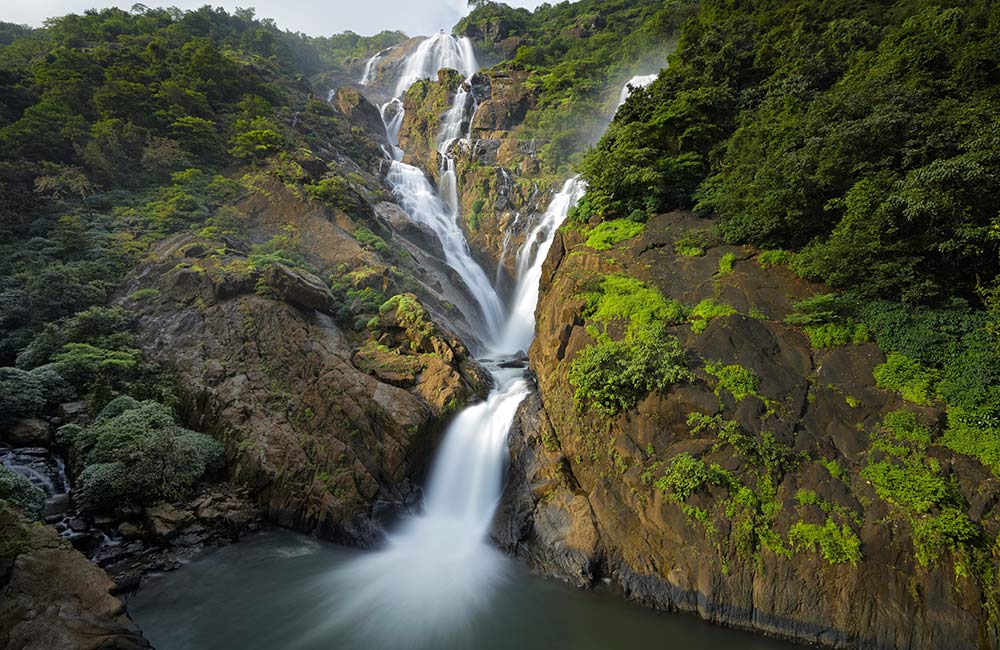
438	568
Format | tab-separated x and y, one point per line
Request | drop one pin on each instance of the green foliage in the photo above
615	374
21	492
861	135
136	453
774	257
933	536
707	310
684	475
621	298
332	190
608	234
739	381
26	393
904	375
726	264
831	335
837	544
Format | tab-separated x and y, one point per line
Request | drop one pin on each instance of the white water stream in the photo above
438	569
636	82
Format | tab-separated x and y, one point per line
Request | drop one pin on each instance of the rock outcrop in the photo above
263	366
500	184
51	596
589	495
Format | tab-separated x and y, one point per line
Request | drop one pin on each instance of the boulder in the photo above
166	521
28	432
52	597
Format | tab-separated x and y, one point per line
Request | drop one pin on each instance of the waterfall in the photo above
366	78
638	81
439	569
437	53
520	326
416	196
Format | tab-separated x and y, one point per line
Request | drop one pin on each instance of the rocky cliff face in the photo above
500	187
51	596
782	533
263	366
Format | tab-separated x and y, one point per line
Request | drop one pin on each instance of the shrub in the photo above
949	531
820	309
623	298
837	544
831	335
774	257
726	263
915	485
27	393
136	453
907	377
615	375
739	381
332	190
21	492
707	310
685	474
609	233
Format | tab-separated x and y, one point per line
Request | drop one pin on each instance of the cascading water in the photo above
366	78
638	81
417	198
520	326
437	53
438	569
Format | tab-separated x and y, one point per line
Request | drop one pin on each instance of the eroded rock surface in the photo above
583	500
263	366
51	596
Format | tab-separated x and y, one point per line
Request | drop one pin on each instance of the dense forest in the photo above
117	129
857	143
842	159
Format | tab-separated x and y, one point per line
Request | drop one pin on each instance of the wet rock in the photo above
128	530
165	520
52	597
28	432
581	500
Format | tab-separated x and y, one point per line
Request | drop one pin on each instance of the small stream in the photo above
280	590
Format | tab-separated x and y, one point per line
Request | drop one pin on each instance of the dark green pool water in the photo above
281	591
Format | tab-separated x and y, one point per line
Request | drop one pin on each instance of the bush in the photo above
949	531
707	310
831	335
906	377
684	475
774	257
21	492
726	264
615	375
837	544
136	453
739	381
621	298
609	233
28	393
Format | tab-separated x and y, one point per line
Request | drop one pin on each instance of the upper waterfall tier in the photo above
437	53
